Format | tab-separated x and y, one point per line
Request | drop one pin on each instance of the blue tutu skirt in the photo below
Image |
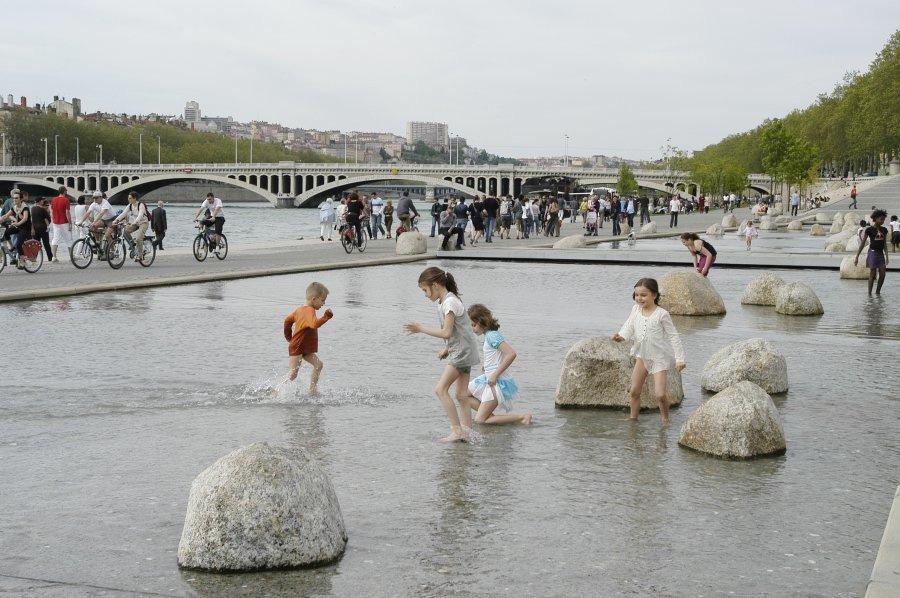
506	389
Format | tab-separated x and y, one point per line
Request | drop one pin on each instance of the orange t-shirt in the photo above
301	330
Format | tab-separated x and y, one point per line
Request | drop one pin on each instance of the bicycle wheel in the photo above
149	254
115	254
81	254
34	264
221	249
347	240
200	250
362	241
2	258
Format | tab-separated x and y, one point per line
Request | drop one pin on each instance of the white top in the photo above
895	225
95	208
341	212
675	205
326	211
630	207
656	339
451	303
216	203
134	215
492	353
78	211
377	206
751	231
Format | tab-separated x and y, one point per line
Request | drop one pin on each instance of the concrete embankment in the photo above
885	579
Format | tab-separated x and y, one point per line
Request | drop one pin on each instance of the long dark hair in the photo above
480	314
435	275
684	237
651	285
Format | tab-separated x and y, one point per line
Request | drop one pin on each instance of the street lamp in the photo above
251	148
44	139
4	148
235	149
141	148
567	150
345	148
56	150
355	148
158	150
100	147
77	152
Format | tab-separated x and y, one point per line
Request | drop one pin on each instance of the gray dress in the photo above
462	344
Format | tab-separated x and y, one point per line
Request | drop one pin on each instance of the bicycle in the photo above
203	243
32	252
348	238
148	256
84	249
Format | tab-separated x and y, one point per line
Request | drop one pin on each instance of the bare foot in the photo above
665	421
314	392
457	436
526	419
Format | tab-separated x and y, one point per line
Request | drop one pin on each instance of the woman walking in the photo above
388	216
326	218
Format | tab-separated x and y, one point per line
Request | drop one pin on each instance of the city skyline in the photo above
622	84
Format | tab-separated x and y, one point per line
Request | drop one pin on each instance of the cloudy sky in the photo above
620	78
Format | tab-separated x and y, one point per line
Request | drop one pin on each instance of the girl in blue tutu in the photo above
493	389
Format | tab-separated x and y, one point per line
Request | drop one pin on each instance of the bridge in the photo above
298	184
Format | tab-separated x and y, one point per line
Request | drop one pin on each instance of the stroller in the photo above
590	224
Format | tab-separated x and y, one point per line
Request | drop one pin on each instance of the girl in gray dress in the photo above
460	350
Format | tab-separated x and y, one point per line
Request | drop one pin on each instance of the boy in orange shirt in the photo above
301	330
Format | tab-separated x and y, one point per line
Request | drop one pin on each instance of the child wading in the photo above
656	347
493	389
877	259
301	330
461	351
750	233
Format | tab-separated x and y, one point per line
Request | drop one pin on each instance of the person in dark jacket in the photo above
40	225
158	224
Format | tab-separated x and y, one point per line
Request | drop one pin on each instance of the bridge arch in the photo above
611	182
53	186
314	196
153	182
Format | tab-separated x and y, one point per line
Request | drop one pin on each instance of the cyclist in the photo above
18	215
136	220
101	215
354	215
216	217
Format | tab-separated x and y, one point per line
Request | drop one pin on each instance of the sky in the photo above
514	77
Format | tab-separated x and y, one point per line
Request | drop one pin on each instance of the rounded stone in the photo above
853	243
776	210
797	299
841	237
596	373
817	230
795	225
838	217
768	225
729	221
835	248
852	271
714	229
648	228
411	243
571	242
836	227
742	228
851	218
755	360
823	218
783	220
261	507
688	293
741	422
849	226
761	290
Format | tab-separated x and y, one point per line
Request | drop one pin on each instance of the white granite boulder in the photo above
768	225
648	228
729	221
797	299
689	293
261	507
776	209
823	218
836	227
817	230
835	248
571	242
842	237
761	290
851	218
714	229
596	373
838	217
741	422
853	271
783	220
854	242
795	225
754	359
411	243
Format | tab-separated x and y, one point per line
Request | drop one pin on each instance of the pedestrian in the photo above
460	351
527	217
493	388
795	203
406	211
60	222
703	254
461	221
158	224
377	217
656	346
436	210
40	226
853	197
552	219
476	215
750	233
895	234
702	206
301	330
505	217
388	216
629	211
326	218
614	217
366	215
77	214
645	209
674	209
877	259
446	225
491	206
517	217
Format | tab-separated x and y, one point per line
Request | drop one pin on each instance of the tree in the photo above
775	143
800	164
627	184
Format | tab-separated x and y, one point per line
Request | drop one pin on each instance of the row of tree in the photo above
166	143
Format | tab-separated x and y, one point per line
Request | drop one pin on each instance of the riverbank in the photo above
885	580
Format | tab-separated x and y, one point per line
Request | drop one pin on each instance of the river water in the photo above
113	402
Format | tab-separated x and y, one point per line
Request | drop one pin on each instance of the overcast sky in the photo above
514	77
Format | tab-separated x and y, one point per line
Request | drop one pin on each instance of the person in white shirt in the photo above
326	218
216	217
78	211
136	220
100	213
674	209
377	217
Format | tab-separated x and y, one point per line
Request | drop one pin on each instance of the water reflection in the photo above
685	323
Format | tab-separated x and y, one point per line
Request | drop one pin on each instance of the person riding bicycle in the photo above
136	221
354	215
216	217
100	213
19	217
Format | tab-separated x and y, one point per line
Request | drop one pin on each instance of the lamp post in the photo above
77	152
345	148
235	149
100	147
44	139
56	150
251	148
4	148
158	150
355	148
141	148
567	150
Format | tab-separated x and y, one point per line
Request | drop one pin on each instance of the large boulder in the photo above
754	359
797	299
823	218
741	422
835	248
852	271
411	243
597	373
836	227
571	242
768	225
714	229
729	221
648	228
853	242
795	225
741	228
842	237
688	293
783	220
817	230
777	209
851	218
838	217
261	507
761	290
849	226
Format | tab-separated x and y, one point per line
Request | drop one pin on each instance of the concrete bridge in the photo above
296	184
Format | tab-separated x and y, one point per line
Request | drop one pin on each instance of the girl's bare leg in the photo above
317	365
486	415
882	272
638	377
659	385
462	397
442	392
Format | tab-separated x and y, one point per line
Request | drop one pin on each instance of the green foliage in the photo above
717	176
422	153
627	184
121	144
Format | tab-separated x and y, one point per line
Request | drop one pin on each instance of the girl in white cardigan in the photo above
656	345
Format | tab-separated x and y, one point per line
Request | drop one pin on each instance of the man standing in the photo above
614	211
436	210
674	209
377	207
645	209
60	223
795	203
853	197
158	224
40	223
491	206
